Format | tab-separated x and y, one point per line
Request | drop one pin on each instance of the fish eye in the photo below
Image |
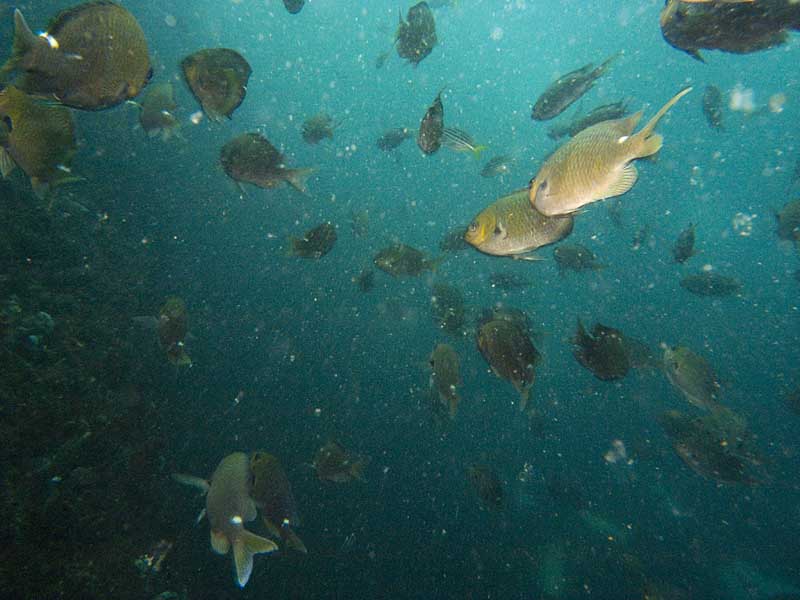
473	227
543	186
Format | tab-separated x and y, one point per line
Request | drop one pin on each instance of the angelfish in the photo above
596	164
229	506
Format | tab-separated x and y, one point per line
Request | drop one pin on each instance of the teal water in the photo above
289	354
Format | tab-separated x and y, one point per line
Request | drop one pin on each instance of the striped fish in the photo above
460	141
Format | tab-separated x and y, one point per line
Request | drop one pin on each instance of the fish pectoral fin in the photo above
220	542
273	529
623	183
193	481
7	164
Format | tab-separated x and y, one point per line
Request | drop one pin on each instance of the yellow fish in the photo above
596	164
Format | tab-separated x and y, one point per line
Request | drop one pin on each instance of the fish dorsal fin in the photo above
24	41
651	124
624	182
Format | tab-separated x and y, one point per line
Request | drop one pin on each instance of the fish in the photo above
499	165
318	128
217	77
488	487
294	6
73	62
507	281
173	328
736	27
693	376
415	37
393	138
156	111
400	260
447	307
251	158
508	350
712	106
272	493
510	226
709	283
683	249
565	90
606	112
597	163
228	507
640	238
460	141
431	128
788	219
445	378
315	243
576	257
37	137
333	463
365	280
603	352
717	446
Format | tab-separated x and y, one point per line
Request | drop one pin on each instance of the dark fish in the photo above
507	281
272	493
488	487
359	223
74	60
416	36
393	138
156	111
603	352
717	446
251	158
445	378
709	283
333	463
173	327
318	128
447	307
567	89
401	260
460	141
316	242
683	249
499	165
218	79
381	59
606	112
576	258
712	106
789	221
294	6
507	348
453	240
739	28
365	280
37	137
431	128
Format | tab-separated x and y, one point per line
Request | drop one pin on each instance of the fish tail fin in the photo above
477	150
297	178
524	395
24	41
644	134
293	541
245	546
